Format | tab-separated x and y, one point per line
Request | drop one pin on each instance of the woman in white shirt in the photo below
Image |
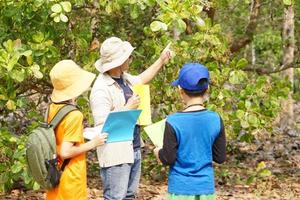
120	162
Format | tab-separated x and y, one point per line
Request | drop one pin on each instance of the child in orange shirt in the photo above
70	81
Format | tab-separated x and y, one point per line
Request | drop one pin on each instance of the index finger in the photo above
168	45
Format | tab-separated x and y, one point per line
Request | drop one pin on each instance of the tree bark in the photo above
240	43
287	115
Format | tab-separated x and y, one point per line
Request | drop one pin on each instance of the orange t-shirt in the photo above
73	184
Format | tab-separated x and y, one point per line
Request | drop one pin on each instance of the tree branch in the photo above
281	68
237	44
210	11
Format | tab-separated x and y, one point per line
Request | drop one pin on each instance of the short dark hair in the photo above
197	93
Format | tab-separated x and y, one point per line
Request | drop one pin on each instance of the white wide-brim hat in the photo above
69	81
114	52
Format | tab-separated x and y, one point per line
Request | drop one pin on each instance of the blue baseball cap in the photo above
189	76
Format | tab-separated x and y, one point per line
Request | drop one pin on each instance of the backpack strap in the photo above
47	114
59	116
66	109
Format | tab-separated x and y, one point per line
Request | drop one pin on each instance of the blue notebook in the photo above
120	125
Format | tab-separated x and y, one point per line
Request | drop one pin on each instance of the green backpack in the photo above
41	151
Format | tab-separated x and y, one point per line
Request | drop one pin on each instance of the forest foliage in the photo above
245	87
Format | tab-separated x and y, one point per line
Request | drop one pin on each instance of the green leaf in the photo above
36	186
17	167
240	114
26	53
181	25
2	97
54	15
233	79
29	60
196	9
250	180
9	45
134	13
287	2
3	56
67	6
200	21
247	104
241	63
132	1
56	8
36	71
63	17
38	37
237	77
10	104
253	120
27	178
19	75
13	61
260	166
244	124
38	74
157	25
108	8
57	19
265	173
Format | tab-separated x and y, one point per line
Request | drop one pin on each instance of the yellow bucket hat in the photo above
69	80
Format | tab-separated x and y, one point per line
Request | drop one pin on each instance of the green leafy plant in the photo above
32	41
260	172
13	158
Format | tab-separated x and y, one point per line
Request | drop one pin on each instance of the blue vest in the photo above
192	173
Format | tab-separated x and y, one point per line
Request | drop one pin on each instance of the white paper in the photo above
91	132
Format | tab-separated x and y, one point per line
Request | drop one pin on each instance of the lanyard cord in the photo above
198	104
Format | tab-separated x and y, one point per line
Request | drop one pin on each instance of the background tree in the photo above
239	41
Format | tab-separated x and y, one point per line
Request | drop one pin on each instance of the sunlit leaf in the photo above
63	18
18	75
38	37
26	53
265	173
56	8
57	19
36	186
181	25
157	25
67	6
287	2
10	104
260	166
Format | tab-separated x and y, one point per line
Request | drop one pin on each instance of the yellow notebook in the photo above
156	132
144	92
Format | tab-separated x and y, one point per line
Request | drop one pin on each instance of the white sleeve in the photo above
133	79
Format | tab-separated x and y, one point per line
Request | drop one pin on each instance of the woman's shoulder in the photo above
102	81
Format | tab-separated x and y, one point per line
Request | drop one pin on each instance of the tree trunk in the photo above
287	116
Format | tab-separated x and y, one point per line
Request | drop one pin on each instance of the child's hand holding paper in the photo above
100	139
90	133
156	132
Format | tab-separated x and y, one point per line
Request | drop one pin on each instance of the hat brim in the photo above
104	67
81	85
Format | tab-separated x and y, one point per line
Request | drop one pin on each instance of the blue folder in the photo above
120	125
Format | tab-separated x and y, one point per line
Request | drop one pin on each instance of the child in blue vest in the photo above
193	139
